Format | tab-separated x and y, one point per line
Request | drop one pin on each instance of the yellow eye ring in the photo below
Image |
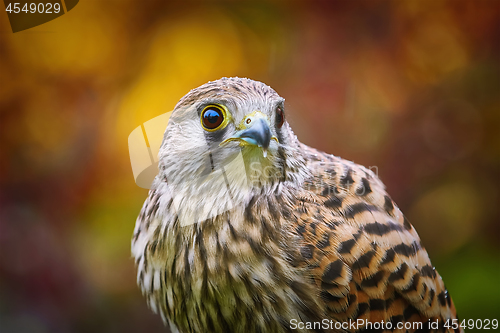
214	117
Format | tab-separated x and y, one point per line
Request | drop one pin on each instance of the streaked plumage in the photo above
296	234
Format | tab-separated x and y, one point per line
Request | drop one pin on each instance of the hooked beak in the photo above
257	133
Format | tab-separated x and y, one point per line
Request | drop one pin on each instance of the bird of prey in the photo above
246	229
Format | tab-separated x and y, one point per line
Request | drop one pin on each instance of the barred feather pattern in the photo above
321	241
365	259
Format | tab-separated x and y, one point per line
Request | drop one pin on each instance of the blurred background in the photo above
410	88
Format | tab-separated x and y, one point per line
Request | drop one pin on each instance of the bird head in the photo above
227	137
221	120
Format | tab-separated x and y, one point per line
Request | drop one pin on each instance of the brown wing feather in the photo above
363	255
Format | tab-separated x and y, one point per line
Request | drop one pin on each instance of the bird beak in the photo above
258	135
256	132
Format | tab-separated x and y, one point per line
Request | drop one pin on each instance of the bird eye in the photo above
280	117
212	117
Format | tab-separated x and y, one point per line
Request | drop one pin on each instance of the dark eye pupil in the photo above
212	117
279	118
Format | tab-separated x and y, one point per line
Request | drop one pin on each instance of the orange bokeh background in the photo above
410	88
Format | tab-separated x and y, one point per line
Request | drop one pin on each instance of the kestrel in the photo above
246	229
